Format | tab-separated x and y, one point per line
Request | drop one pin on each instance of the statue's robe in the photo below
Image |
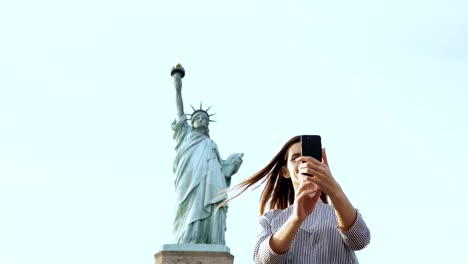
200	186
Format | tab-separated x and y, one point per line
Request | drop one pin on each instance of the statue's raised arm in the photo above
178	72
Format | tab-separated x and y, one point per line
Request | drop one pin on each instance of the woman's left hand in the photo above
319	173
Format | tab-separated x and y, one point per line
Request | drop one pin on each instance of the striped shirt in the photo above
319	239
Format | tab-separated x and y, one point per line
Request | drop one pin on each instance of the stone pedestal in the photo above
194	254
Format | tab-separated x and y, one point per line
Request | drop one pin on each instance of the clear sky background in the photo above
86	103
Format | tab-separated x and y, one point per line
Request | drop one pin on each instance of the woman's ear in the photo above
285	172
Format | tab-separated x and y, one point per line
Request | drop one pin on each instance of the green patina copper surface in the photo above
201	176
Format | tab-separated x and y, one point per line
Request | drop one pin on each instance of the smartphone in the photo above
312	146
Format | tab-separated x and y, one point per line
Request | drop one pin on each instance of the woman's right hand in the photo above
306	199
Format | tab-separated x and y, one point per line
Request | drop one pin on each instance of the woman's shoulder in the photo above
275	213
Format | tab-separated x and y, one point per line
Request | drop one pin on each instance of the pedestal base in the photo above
194	254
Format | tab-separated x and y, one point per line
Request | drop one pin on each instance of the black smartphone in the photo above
312	146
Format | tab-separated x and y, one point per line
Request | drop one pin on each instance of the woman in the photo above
301	227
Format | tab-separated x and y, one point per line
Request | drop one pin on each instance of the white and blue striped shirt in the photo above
319	239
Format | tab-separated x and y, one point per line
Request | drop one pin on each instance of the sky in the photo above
87	102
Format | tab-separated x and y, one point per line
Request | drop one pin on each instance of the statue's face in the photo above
200	120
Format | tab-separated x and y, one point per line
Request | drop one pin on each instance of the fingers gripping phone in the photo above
312	146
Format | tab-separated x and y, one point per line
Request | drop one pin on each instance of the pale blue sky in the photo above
86	102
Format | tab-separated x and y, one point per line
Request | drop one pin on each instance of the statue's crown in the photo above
201	111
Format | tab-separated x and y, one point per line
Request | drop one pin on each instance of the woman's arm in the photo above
322	176
271	246
263	253
281	240
344	210
307	196
353	229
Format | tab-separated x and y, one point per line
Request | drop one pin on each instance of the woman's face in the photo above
290	170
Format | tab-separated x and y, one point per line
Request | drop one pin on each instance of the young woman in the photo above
301	227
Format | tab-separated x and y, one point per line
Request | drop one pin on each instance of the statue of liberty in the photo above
201	176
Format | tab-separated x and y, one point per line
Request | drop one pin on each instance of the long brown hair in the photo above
279	190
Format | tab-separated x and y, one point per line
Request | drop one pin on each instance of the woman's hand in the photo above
306	198
321	174
322	177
